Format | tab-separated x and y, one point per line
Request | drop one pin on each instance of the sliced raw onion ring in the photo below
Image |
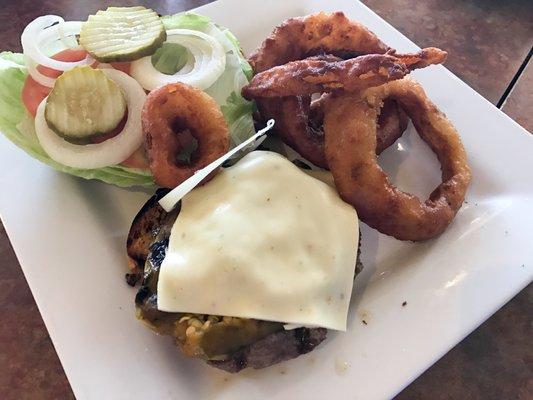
64	30
209	62
105	66
41	32
36	75
110	152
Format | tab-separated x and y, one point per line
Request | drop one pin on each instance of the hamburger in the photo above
269	293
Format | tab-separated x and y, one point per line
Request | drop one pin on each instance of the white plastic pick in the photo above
172	198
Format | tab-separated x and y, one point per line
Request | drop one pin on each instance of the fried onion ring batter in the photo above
321	33
317	75
298	38
176	118
392	121
350	145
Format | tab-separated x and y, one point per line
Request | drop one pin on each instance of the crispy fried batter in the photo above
321	33
392	122
350	126
421	59
305	77
300	125
296	39
173	117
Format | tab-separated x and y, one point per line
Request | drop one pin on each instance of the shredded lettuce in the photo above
18	126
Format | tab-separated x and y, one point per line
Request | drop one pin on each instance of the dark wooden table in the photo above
489	42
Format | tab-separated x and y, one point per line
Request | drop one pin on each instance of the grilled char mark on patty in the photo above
145	227
273	349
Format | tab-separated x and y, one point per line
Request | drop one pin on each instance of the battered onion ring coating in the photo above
350	144
305	77
171	113
298	38
305	134
392	121
322	33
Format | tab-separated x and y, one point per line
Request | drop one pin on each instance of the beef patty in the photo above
227	343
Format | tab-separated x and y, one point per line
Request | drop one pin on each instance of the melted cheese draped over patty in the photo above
262	240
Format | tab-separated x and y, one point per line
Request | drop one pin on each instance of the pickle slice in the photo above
122	33
84	104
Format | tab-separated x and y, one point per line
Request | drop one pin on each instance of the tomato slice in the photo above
122	66
68	55
137	159
33	93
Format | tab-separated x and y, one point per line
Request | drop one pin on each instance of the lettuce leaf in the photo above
186	20
245	65
17	126
236	107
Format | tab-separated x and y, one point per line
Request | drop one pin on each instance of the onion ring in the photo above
169	113
307	120
298	38
391	123
304	132
321	33
312	75
350	144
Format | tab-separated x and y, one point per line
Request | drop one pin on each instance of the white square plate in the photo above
69	237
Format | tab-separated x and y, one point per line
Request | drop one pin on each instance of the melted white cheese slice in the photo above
262	240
